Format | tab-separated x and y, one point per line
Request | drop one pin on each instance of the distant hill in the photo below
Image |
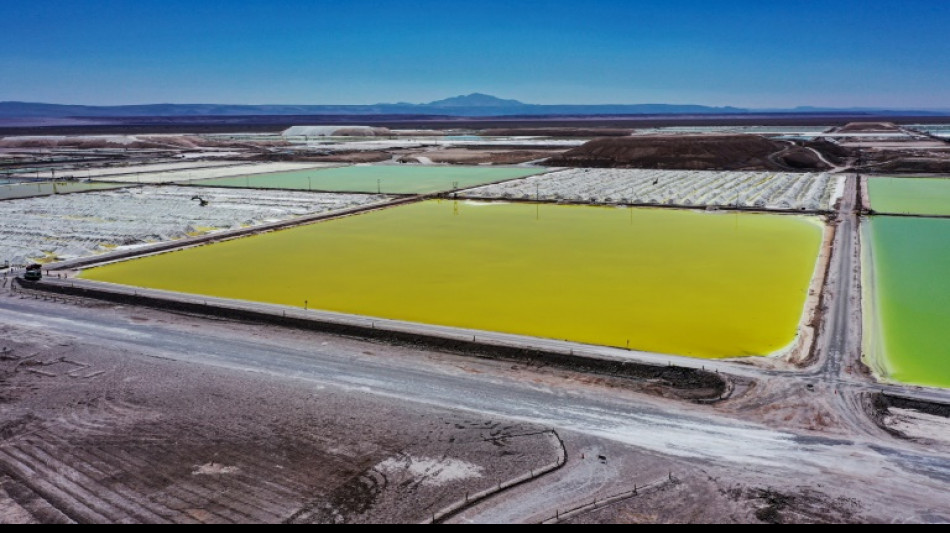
474	100
472	105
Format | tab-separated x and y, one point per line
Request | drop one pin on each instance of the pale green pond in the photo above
909	319
917	196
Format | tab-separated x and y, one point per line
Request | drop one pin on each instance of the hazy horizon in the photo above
755	55
616	104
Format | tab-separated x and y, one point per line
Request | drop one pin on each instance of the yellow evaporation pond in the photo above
678	282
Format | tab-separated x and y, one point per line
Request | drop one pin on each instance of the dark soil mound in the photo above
800	158
359	131
690	152
911	165
833	152
556	132
870	127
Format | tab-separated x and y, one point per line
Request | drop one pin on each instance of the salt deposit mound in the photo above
870	127
556	132
337	131
690	152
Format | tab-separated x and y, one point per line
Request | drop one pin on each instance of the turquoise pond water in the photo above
912	298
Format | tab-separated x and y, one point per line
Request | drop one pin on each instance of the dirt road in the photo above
640	436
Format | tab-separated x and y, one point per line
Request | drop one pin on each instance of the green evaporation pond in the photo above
912	296
916	196
386	179
666	281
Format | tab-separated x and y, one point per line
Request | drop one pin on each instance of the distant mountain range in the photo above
472	105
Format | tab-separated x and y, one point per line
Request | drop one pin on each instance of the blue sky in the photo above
759	54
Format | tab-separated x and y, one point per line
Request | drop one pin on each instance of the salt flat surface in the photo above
66	227
129	170
211	153
385	144
760	130
225	171
766	190
112	139
50	188
868	135
931	128
519	141
327	131
392	144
